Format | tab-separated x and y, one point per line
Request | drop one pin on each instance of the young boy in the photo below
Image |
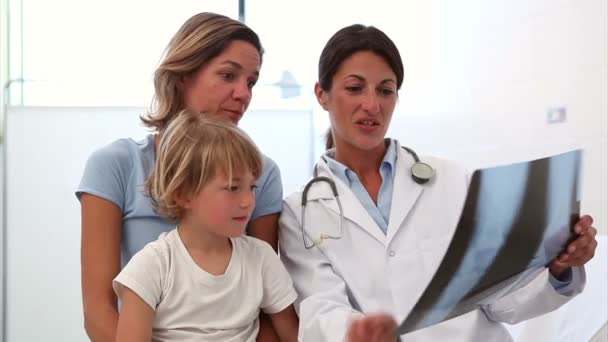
204	280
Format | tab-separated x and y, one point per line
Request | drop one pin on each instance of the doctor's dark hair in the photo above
348	41
200	39
192	151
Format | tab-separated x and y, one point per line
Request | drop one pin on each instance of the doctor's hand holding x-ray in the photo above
361	260
579	251
374	328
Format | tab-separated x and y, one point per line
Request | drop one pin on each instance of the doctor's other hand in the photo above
373	328
579	251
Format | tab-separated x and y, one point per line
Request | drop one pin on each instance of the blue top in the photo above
117	173
382	211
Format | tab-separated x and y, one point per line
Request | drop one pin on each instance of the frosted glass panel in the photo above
46	152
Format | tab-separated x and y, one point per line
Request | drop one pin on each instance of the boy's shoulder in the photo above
162	247
253	246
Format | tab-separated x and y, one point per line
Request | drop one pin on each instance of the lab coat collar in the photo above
405	195
406	192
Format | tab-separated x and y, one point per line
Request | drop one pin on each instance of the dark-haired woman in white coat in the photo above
358	276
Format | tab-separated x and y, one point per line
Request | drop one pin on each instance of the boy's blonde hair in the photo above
193	149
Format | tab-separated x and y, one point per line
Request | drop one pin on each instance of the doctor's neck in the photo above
362	162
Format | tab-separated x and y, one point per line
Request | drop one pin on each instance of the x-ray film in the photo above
516	219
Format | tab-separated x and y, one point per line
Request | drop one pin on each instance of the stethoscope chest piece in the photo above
422	172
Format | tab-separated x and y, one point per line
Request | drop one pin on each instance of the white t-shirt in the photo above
193	305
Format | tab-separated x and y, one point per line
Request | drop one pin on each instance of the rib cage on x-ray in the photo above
515	220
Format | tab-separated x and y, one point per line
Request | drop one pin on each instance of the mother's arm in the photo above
100	263
266	228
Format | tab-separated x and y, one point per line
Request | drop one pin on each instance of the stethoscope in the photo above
421	173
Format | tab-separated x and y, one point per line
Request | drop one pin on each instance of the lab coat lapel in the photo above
355	212
353	209
405	193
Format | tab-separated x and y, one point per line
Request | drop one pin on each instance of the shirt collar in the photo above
347	175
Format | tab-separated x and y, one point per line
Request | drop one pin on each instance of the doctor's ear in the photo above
321	95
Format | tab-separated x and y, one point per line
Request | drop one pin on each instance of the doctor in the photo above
359	274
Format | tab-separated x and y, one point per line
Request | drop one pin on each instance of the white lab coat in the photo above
367	272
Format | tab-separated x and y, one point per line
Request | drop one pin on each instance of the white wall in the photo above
503	64
501	67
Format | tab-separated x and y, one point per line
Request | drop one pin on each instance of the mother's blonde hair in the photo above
193	150
201	38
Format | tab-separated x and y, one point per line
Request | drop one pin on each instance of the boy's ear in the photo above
183	199
321	95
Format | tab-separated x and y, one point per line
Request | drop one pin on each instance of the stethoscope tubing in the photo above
421	173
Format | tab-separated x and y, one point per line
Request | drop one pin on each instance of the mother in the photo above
210	66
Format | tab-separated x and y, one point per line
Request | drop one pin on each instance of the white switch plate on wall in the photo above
556	115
